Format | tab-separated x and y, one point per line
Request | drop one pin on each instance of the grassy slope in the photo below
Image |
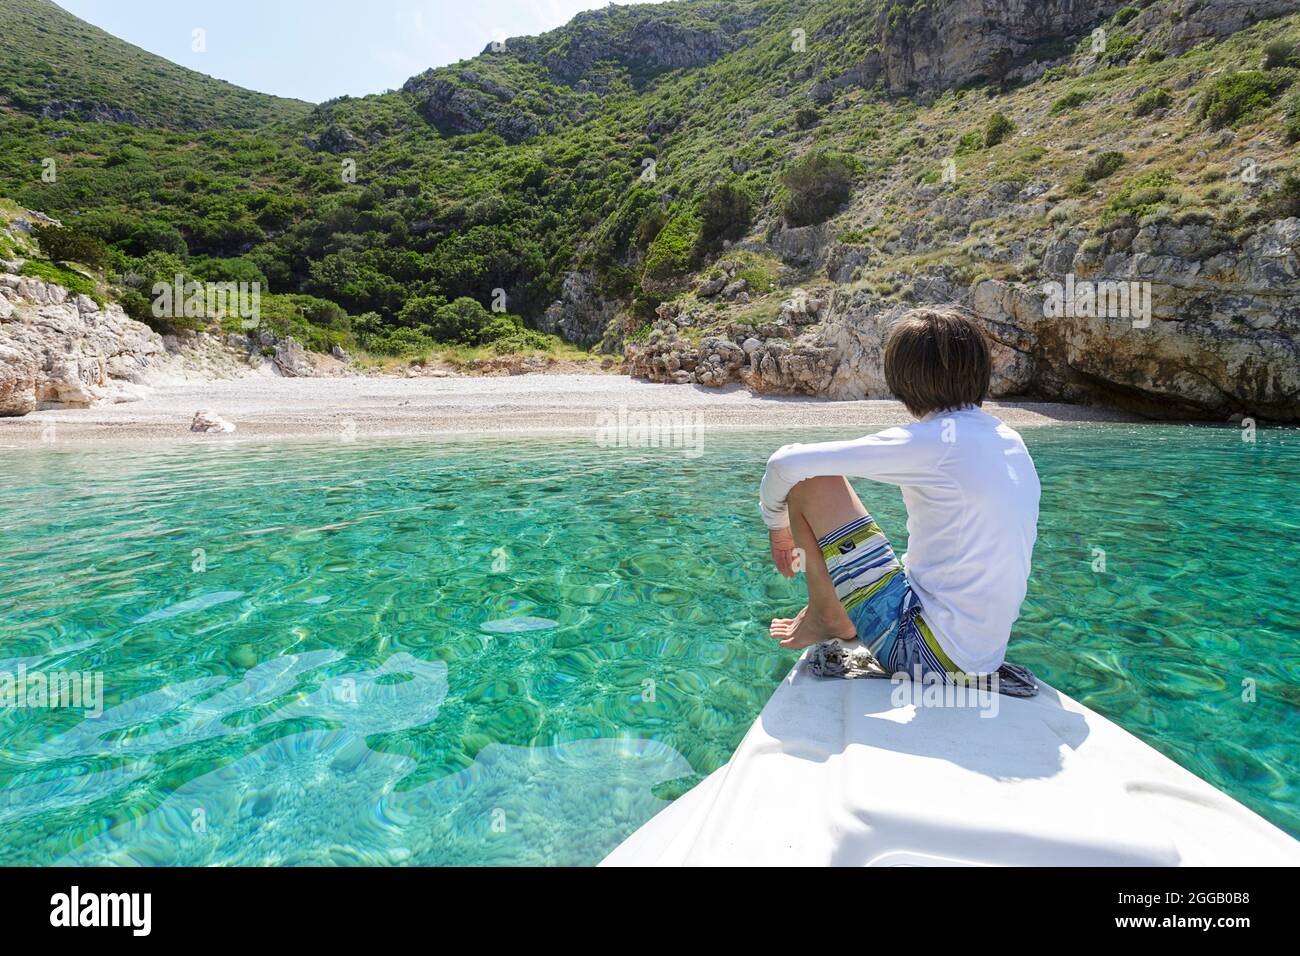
47	55
1053	148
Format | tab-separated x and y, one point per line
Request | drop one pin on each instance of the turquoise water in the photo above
518	651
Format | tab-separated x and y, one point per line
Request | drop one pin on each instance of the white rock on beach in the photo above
205	421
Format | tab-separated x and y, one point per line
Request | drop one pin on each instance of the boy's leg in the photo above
817	507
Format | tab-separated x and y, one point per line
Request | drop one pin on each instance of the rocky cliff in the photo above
935	46
65	350
1111	176
59	350
1223	337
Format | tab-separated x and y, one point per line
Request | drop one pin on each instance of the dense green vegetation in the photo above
71	245
434	212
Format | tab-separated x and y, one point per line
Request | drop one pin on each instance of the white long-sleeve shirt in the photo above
971	492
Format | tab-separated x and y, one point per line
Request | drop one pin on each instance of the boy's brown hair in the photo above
937	360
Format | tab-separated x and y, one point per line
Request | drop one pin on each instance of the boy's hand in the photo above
788	558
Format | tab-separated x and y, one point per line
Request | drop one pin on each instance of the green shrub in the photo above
228	270
155	236
758	280
1069	101
462	322
402	343
1279	53
725	212
140	307
1101	166
1149	102
819	183
321	313
507	333
1125	15
74	282
650	225
420	312
135	304
1233	97
997	129
1281	203
1291	120
971	142
70	244
501	325
672	254
806	118
316	323
1120	48
1141	196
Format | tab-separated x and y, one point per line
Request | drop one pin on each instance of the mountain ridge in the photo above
55	65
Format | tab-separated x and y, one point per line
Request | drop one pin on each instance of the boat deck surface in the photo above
837	772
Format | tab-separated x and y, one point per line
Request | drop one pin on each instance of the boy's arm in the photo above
785	555
896	456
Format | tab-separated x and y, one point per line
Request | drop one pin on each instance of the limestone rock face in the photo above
62	351
335	139
580	314
1212	331
17	382
802	245
777	357
938	45
292	360
858	337
454	109
647	46
89	112
815	347
1224	332
1194	21
59	350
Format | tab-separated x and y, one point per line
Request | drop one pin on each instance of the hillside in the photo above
57	66
661	179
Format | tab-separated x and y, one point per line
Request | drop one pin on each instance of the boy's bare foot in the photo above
806	630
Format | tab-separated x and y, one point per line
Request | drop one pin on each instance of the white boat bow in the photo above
834	773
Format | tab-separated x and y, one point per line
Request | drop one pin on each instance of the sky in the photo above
315	50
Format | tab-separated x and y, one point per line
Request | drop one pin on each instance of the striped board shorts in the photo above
872	585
